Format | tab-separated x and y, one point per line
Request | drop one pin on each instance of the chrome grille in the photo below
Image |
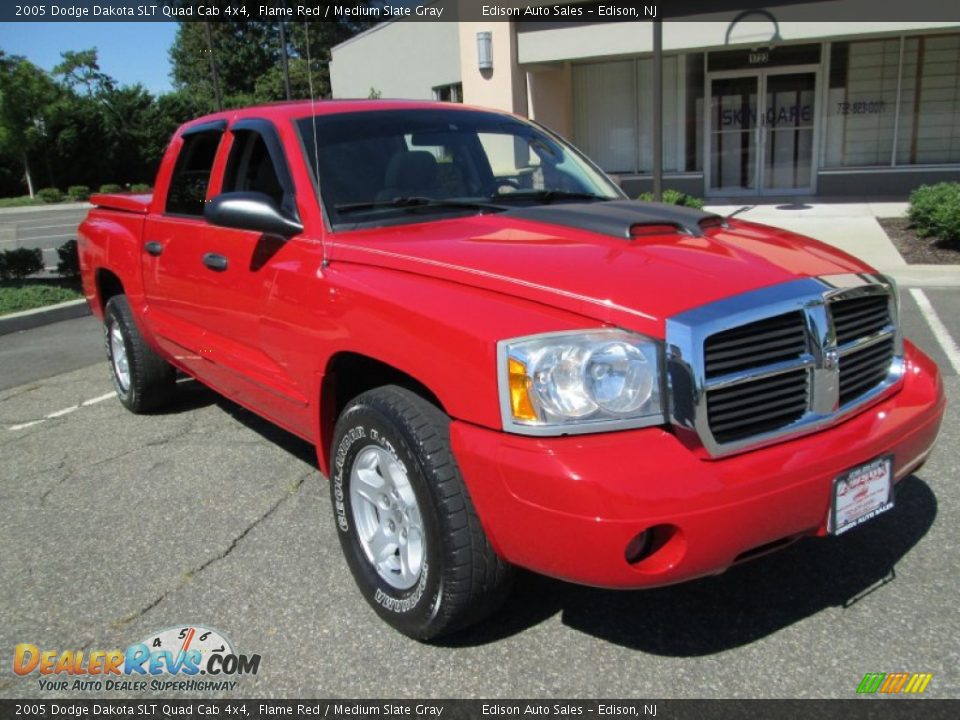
756	344
864	368
858	317
781	361
757	407
859	322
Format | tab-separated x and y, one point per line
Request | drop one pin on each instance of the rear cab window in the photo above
191	174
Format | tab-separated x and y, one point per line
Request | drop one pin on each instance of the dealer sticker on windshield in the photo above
861	494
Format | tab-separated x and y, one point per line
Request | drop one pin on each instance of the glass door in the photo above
760	136
789	104
733	138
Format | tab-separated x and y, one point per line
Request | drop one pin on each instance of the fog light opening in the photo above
648	542
639	547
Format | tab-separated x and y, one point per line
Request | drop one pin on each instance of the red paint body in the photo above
432	299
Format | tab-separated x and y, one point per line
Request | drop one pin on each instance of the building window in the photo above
862	102
605	122
894	102
613	113
449	93
929	127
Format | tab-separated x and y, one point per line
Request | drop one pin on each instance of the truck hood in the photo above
636	283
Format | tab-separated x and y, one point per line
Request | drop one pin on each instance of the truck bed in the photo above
127	202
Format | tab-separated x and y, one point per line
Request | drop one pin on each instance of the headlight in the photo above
578	382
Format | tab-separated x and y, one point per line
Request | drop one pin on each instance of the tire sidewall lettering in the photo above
350	438
358	434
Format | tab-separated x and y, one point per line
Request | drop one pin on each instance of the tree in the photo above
26	92
249	61
79	68
243	52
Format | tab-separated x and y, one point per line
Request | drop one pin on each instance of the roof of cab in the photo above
303	108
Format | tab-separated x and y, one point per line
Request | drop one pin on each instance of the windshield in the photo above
389	166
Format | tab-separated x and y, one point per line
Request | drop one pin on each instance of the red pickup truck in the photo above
503	361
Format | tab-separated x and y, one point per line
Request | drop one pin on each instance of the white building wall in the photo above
397	59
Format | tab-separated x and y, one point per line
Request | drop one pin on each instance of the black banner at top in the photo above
557	11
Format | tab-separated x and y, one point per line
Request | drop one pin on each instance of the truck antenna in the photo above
316	144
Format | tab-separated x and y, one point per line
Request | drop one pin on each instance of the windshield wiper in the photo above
416	203
548	196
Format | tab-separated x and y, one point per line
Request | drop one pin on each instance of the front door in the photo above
761	132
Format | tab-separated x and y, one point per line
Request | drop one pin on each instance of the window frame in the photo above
213	126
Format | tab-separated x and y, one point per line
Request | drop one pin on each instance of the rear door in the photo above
178	305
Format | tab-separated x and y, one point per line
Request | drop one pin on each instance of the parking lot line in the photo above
65	411
940	332
48	227
46	237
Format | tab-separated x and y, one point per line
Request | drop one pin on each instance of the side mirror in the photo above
251	211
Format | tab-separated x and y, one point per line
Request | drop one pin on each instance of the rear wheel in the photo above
407	526
144	381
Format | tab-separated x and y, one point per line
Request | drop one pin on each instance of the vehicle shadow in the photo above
299	448
193	395
745	604
189	395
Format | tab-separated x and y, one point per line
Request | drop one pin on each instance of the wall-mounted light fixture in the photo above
485	50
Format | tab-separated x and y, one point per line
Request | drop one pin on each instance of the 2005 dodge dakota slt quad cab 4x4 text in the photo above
502	360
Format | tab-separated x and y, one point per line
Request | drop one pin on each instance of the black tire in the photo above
462	580
152	380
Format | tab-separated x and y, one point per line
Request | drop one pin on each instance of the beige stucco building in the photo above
755	105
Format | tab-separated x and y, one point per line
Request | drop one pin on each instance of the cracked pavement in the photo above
115	526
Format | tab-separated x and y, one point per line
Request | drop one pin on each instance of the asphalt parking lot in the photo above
115	526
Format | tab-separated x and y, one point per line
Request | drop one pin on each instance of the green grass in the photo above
20	201
28	295
26	201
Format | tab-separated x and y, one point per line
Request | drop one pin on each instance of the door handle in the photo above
153	248
215	262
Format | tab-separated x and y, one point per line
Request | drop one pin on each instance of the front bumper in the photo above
568	507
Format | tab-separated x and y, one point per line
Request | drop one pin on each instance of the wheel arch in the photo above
348	374
108	284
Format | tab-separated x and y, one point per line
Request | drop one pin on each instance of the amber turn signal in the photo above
520	403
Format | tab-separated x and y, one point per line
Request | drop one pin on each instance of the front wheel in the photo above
407	526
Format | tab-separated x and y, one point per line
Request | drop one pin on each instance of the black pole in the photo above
213	67
657	111
283	60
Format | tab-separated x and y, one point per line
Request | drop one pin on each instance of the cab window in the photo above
250	167
191	174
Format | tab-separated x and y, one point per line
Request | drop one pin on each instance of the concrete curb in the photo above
15	322
921	276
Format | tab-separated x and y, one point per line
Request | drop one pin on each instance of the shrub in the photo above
78	192
935	212
50	195
140	188
69	264
19	263
110	188
675	197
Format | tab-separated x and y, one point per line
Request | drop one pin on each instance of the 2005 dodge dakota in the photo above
501	360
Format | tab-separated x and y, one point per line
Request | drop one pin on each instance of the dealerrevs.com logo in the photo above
894	683
171	660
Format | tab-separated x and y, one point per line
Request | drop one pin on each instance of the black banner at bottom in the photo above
339	709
